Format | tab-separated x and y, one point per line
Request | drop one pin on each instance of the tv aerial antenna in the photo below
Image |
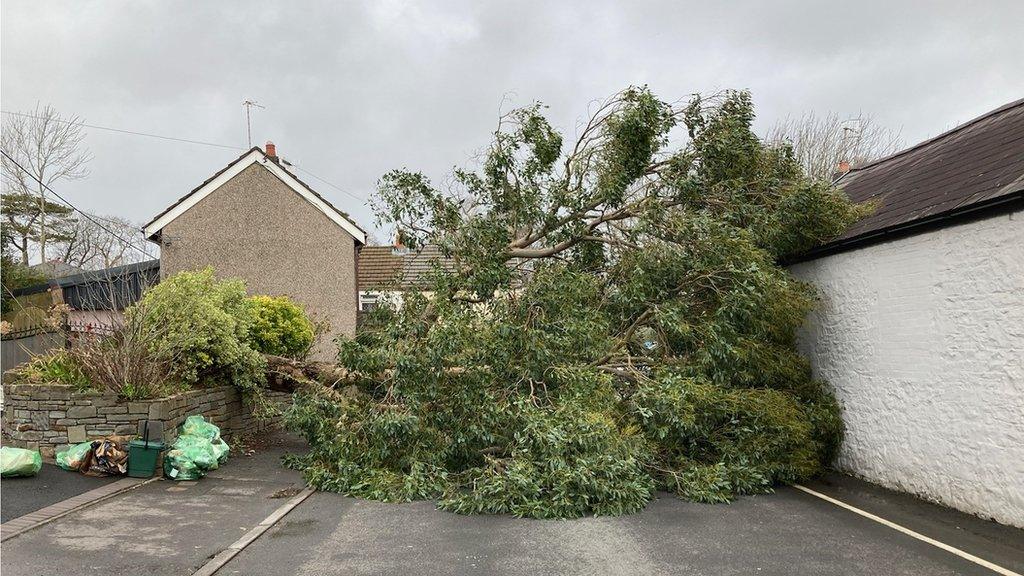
249	105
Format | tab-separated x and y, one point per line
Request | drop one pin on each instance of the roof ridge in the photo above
265	159
957	128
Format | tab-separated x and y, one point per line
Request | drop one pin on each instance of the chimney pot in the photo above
844	167
271	149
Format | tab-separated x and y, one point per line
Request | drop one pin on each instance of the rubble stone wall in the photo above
49	417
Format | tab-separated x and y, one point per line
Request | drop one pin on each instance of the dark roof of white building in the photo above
107	289
968	171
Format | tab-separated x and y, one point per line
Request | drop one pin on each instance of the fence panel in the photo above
19	347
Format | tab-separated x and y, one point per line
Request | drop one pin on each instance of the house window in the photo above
367	301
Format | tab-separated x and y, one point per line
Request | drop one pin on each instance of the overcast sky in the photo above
354	89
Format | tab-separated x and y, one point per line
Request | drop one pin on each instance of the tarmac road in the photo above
20	496
162	528
789	532
167	528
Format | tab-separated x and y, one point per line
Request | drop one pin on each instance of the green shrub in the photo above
124	361
56	367
201	325
280	326
14	275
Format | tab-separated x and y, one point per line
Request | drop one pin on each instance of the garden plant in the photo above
190	330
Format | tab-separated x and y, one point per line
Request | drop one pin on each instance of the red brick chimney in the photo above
398	247
271	150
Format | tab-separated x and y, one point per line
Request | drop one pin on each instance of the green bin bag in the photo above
178	466
71	458
199	450
196	425
221	449
19	462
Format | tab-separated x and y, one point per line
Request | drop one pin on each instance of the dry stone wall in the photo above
49	417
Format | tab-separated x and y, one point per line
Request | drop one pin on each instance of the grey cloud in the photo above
353	89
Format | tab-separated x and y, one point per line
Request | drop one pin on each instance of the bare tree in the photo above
49	146
103	241
822	143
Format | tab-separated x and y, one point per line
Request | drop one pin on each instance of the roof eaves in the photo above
196	189
1005	203
341	213
155	234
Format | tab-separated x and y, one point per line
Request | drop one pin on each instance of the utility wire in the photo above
171	138
336	187
200	142
75	208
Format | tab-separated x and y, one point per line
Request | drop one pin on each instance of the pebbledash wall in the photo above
48	418
922	339
256	228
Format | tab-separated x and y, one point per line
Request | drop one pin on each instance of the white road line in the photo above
970	557
225	556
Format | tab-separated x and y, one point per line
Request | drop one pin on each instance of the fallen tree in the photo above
613	321
291	375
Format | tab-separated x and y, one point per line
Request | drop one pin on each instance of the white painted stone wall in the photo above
922	339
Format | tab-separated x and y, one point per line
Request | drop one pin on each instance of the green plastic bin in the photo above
142	458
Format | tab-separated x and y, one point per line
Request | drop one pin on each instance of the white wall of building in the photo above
922	339
368	299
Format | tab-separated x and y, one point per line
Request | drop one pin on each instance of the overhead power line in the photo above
185	140
132	132
75	208
335	186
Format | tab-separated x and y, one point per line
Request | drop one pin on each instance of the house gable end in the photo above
254	156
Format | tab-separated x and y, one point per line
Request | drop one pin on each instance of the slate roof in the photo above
976	166
388	268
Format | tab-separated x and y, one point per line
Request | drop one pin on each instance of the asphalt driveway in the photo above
161	528
789	532
167	528
20	496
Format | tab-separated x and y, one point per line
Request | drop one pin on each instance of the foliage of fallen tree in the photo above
615	322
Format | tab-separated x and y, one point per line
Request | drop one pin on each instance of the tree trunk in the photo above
42	225
288	375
